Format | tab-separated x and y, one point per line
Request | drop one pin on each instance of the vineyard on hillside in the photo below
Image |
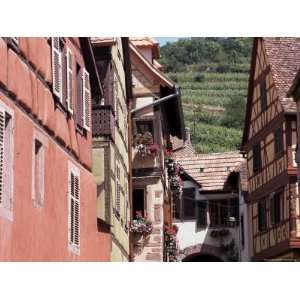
214	88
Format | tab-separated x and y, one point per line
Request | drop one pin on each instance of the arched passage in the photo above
199	257
202	252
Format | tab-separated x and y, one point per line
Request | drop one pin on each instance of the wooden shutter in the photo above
64	78
2	132
263	96
118	190
74	210
56	68
69	71
86	97
79	99
256	158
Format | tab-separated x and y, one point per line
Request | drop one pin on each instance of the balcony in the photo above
103	121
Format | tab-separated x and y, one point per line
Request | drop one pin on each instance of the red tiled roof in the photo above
141	42
212	171
283	55
181	148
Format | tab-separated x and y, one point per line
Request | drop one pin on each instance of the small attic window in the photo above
227	169
201	170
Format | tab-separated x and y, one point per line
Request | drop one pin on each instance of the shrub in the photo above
199	77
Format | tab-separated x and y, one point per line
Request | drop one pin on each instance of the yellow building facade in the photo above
110	145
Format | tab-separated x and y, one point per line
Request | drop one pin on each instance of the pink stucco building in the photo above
47	190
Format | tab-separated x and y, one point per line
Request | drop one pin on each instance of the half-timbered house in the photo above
208	215
269	141
111	142
156	114
47	189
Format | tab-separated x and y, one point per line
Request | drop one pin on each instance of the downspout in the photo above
156	102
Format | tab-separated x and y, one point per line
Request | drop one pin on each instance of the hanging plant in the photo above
140	225
171	243
145	145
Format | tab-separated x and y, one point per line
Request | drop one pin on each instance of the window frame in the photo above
37	136
7	202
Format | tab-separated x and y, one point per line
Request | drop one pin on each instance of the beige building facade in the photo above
110	145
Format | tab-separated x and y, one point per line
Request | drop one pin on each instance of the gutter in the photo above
156	102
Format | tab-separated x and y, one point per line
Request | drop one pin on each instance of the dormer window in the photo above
201	170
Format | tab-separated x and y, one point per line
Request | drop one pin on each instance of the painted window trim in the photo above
37	135
5	212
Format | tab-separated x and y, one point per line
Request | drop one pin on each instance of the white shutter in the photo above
56	68
74	211
15	40
2	132
86	98
69	70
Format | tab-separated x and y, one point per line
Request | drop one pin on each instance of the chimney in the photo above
188	136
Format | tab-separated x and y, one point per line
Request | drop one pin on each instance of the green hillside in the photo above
213	75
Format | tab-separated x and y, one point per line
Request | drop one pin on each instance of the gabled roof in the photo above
212	171
163	79
181	148
147	42
90	62
283	57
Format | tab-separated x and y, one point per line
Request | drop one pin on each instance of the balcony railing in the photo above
103	121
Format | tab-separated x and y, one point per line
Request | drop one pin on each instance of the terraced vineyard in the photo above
213	95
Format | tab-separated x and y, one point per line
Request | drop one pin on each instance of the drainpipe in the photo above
156	102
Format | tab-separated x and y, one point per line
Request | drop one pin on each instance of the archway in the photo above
199	257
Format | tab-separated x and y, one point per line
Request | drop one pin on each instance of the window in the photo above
86	96
188	198
218	212
242	231
278	142
276	208
256	158
118	191
62	73
143	126
224	212
126	205
57	67
262	215
201	214
38	173
74	209
263	96
138	202
6	160
83	103
79	99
